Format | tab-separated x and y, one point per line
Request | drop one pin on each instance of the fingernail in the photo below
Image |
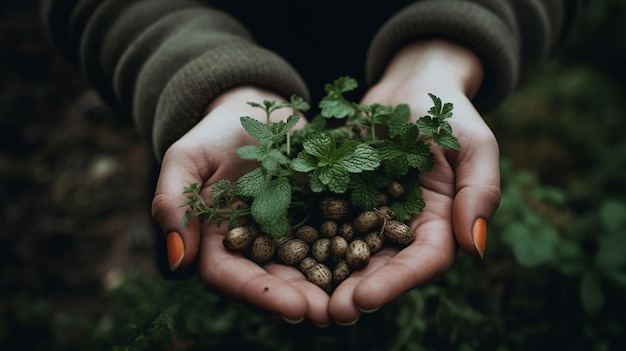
321	325
479	235
348	323
175	250
291	321
369	311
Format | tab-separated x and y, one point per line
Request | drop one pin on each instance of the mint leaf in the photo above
304	163
411	203
270	205
334	104
358	158
398	119
251	183
447	141
256	129
319	144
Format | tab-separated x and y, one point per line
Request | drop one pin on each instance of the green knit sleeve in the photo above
163	61
511	37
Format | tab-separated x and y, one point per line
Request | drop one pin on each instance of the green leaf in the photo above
591	293
222	190
251	183
361	157
304	163
250	152
270	205
337	178
446	141
334	104
256	129
410	204
398	119
319	144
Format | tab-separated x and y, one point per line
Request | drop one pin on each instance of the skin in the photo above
463	186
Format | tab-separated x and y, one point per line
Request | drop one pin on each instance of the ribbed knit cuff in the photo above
468	24
191	89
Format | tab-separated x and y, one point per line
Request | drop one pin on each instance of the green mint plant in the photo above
351	160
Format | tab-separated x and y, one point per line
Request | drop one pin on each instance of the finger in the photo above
343	307
182	242
477	191
431	254
242	279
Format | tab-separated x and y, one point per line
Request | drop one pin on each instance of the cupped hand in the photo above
204	155
461	192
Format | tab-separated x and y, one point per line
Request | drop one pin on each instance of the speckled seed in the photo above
240	238
347	230
367	221
383	200
334	208
320	275
307	233
398	233
338	246
358	254
396	189
306	264
262	249
320	249
341	271
293	251
375	241
328	229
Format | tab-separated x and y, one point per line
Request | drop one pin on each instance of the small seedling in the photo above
341	169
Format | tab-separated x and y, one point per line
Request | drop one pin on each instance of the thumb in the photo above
182	242
477	192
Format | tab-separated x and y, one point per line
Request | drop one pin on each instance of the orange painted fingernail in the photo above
175	250
479	235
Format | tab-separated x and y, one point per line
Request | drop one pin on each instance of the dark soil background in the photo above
74	184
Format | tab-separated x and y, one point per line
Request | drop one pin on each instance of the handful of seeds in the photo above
323	199
326	254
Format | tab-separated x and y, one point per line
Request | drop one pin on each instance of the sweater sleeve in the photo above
163	61
511	37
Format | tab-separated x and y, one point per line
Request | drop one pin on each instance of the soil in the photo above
75	186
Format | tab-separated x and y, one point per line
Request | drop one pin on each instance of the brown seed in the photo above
320	249
398	233
320	275
334	208
262	249
375	241
338	246
367	221
240	238
347	231
307	233
358	254
293	251
306	264
328	229
396	189
341	271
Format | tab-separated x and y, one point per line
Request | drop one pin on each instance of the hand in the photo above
205	155
462	189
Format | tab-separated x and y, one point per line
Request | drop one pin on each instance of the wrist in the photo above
240	96
438	64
